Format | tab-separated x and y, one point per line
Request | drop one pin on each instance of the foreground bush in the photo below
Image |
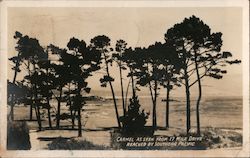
18	136
218	138
72	144
134	120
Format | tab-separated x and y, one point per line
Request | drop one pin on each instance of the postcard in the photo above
124	78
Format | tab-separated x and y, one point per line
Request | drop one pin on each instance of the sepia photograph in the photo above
125	77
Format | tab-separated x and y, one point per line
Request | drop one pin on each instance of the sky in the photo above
137	26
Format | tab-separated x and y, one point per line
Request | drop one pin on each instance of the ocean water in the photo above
219	112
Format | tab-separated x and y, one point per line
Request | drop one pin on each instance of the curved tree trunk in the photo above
113	94
115	104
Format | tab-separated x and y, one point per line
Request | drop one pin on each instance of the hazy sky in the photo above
137	26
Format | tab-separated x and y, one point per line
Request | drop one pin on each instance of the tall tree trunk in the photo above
37	105
39	118
37	112
72	119
133	83
31	105
113	93
31	112
115	104
71	110
167	104
16	68
16	71
15	75
49	115
79	115
152	98
121	83
59	109
126	97
48	100
14	81
79	123
199	96
154	106
188	121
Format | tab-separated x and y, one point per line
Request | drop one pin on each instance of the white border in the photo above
245	152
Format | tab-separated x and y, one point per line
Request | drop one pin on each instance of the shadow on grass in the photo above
53	138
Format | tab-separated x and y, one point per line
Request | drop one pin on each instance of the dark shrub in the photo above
134	120
236	138
18	136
